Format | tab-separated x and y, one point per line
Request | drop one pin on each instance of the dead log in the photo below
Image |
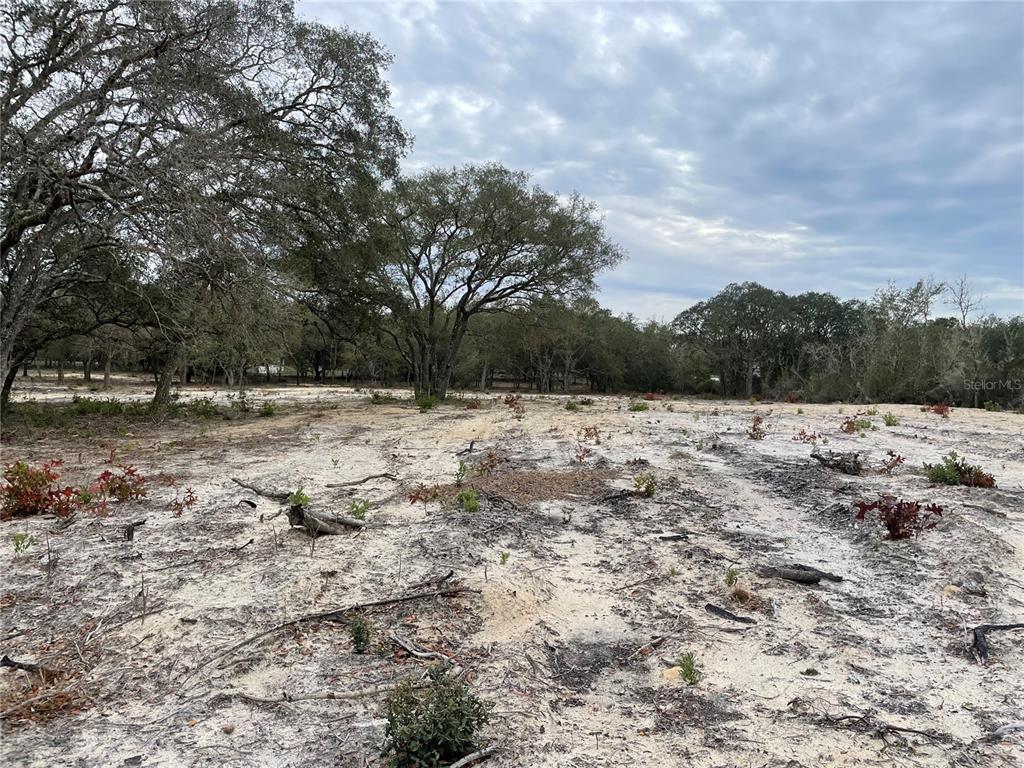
847	463
980	644
798	575
129	529
474	757
320	524
714	610
810	569
45	673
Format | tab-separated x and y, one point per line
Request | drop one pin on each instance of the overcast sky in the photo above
828	146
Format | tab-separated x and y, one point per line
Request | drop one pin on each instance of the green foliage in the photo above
358	508
460	473
299	498
572	405
202	407
732	575
689	669
468	500
433	726
267	408
503	557
23	542
956	471
360	631
426	403
638	405
645	484
871	411
891	420
383	398
992	405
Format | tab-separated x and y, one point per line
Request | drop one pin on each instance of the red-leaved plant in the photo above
940	409
902	519
34	491
892	463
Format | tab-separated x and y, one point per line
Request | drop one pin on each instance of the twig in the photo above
724	614
337	614
980	644
373	690
473	757
386	475
266	493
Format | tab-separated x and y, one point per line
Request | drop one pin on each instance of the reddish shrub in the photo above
34	491
803	436
902	519
940	409
758	429
889	465
792	397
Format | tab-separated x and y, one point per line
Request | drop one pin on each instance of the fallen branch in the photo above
464	451
129	529
336	614
265	492
45	673
385	475
799	575
724	614
474	757
980	644
673	536
810	569
847	463
359	693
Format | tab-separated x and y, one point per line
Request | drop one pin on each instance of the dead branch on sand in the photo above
847	463
980	645
368	478
320	524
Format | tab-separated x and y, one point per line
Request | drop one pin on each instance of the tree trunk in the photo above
106	369
87	367
5	395
165	378
483	378
60	370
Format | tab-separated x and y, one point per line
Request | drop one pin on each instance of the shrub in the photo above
890	465
241	402
583	453
358	508
572	405
202	407
871	411
792	397
689	669
380	398
758	429
732	575
902	519
940	409
34	491
645	484
956	471
426	403
432	726
514	403
590	433
473	405
86	406
268	408
504	556
586	401
468	500
803	436
127	486
852	424
299	498
360	631
638	405
991	405
890	420
23	542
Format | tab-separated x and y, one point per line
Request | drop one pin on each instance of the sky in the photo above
827	146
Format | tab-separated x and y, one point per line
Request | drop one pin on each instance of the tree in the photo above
472	240
124	120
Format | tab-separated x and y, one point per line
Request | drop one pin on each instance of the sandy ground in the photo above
578	609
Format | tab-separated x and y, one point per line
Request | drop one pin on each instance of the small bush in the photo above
583	452
426	403
34	491
803	436
638	405
732	575
992	405
299	498
202	407
473	405
433	726
381	398
902	519
360	631
503	557
890	420
87	406
758	428
267	408
890	464
468	500
241	402
853	425
572	405
645	484
515	404
956	471
871	411
689	669
586	401
358	508
23	542
939	409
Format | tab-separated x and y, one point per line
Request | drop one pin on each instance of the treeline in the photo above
211	192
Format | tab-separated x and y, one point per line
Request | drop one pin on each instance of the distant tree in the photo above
478	239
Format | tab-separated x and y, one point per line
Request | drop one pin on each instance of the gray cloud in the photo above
826	146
